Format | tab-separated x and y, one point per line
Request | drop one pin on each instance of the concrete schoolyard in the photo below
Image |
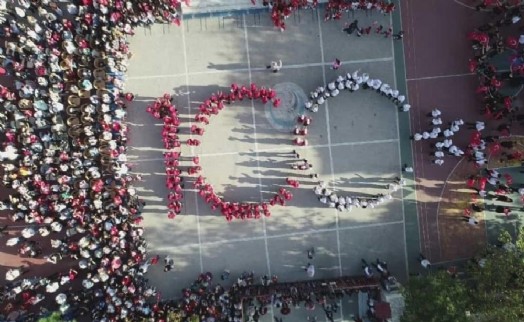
245	154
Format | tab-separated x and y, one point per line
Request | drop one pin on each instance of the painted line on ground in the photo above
253	116
286	148
295	234
236	70
460	3
330	153
440	200
400	155
192	151
439	76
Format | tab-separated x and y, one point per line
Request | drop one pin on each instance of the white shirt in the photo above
52	287
12	274
479	126
311	270
28	232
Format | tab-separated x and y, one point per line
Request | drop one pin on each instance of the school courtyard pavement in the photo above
356	144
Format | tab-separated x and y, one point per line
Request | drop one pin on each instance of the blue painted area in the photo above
284	118
286	123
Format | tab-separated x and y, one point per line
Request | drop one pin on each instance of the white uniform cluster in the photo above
347	203
353	82
436	132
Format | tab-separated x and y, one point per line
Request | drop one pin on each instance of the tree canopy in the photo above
491	290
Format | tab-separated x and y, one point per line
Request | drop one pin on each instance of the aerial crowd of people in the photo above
64	156
64	153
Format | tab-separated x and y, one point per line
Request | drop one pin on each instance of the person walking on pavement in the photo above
275	66
311	253
368	271
336	64
424	262
310	270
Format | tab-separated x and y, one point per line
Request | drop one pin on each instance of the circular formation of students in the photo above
350	82
163	108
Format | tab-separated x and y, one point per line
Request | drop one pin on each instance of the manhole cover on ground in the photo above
293	98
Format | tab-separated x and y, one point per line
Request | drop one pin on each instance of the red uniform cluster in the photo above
282	9
479	37
293	183
336	8
174	183
488	41
281	198
164	109
301	128
230	210
217	102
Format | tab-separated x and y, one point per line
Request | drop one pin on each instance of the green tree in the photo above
492	289
497	281
436	297
54	317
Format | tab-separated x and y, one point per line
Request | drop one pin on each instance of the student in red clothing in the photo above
293	183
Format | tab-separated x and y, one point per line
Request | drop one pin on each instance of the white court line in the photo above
189	107
330	153
253	115
236	70
451	261
400	153
420	219
285	148
294	234
440	200
440	76
460	3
